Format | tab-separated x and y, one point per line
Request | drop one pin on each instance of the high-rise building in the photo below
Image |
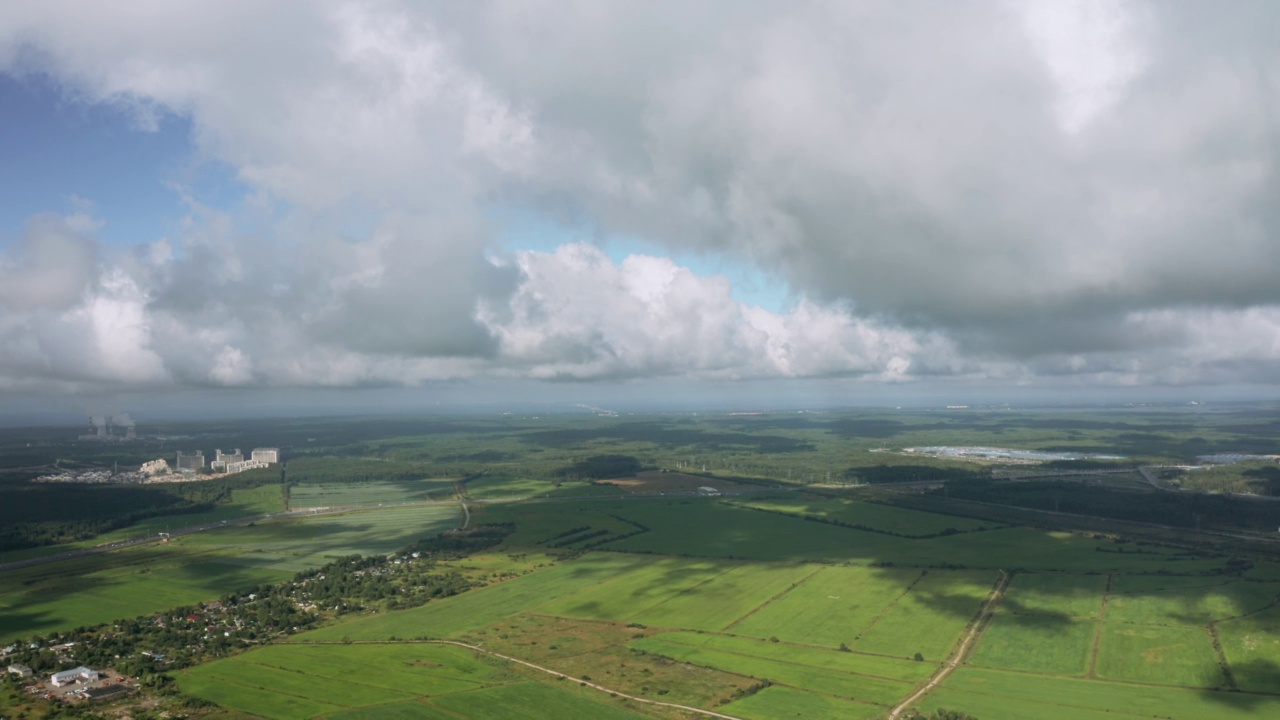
266	455
189	462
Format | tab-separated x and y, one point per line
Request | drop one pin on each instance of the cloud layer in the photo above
1005	192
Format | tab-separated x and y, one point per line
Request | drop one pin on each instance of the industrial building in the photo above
189	462
21	671
74	675
109	428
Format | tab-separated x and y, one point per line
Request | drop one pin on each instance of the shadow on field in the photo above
1250	674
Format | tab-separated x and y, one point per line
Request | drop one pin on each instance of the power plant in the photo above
110	428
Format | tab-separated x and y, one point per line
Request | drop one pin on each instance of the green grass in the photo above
779	702
1252	647
1036	643
1194	606
1068	596
1166	655
996	694
930	617
829	608
828	679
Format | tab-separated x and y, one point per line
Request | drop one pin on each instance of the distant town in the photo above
187	466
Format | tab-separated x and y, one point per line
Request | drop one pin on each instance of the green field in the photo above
832	606
1252	648
373	492
878	516
929	618
794	668
1165	655
778	702
1065	596
999	694
1192	605
380	681
479	608
1036	643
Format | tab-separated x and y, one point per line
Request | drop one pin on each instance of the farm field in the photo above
1001	694
1064	596
372	492
929	618
877	516
1252	648
833	605
380	681
827	678
1181	656
1037	643
1192	605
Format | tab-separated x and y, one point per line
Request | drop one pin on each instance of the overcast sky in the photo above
619	199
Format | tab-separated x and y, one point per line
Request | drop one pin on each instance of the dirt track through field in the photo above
958	656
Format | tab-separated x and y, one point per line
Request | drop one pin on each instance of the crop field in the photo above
1196	606
1252	648
817	674
301	682
852	662
1166	655
832	606
1065	596
885	518
373	492
929	618
1000	694
1037	643
724	599
479	608
780	701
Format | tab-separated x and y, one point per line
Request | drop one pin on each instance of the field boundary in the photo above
885	610
1098	628
979	624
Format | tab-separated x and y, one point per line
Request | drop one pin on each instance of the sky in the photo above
316	203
